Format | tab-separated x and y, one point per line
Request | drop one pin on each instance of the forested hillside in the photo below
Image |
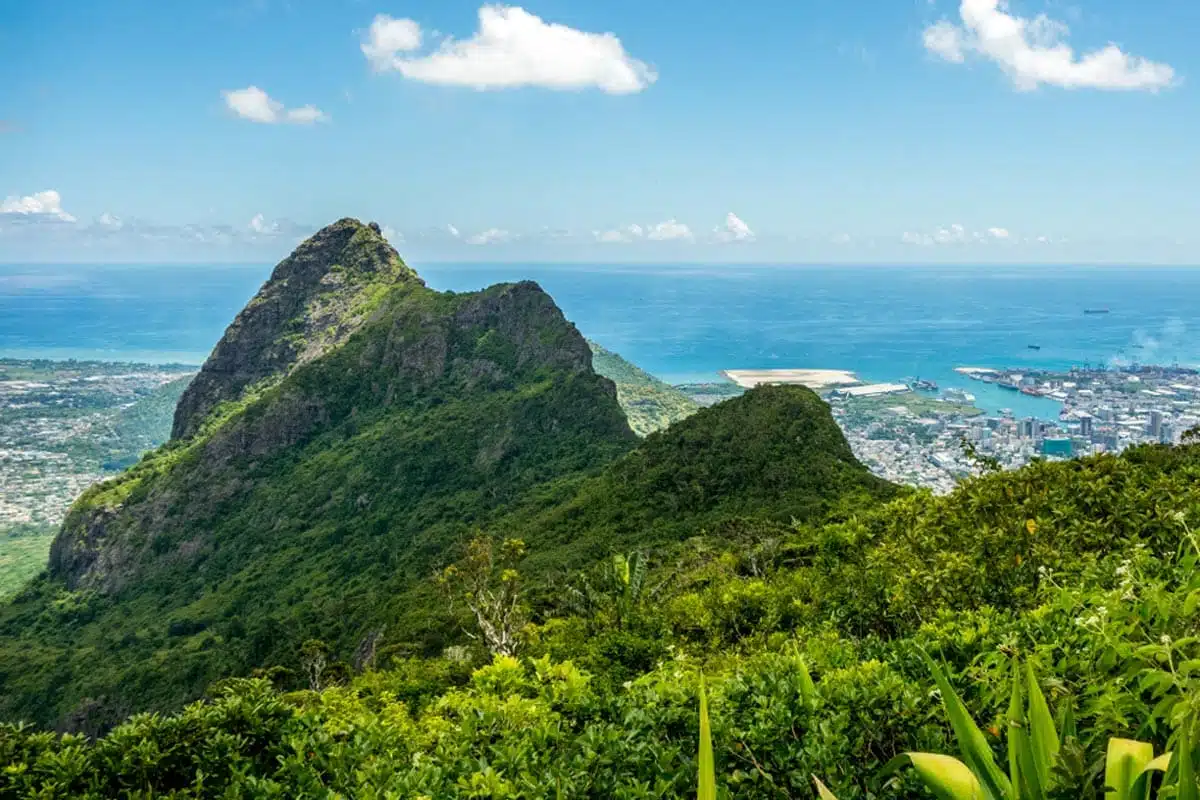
327	463
1087	569
650	404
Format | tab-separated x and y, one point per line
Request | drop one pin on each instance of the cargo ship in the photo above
1095	311
1035	347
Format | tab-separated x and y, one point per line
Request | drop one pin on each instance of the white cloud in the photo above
734	230
670	230
629	233
945	39
490	236
1034	51
47	204
109	222
955	234
453	231
256	105
512	48
393	236
843	238
387	37
258	224
306	115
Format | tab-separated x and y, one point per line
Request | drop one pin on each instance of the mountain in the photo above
315	300
649	404
350	429
771	457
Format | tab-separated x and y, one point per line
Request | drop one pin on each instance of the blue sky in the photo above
559	130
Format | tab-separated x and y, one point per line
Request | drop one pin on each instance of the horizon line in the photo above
568	263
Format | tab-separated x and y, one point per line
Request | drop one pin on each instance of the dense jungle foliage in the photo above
1086	569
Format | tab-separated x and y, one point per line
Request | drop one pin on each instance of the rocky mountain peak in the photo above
314	300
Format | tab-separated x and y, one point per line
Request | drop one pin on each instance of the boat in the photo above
1031	391
1095	311
1035	347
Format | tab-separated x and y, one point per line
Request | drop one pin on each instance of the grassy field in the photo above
23	554
918	404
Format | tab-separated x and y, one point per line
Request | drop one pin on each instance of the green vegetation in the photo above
707	394
23	550
144	425
316	510
317	502
648	403
915	404
813	655
434	562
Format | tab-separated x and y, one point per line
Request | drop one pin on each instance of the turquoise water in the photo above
684	323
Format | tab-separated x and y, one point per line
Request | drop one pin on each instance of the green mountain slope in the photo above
323	470
810	646
649	404
770	457
322	461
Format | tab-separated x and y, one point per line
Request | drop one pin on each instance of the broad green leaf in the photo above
1141	784
1192	603
808	691
1187	768
1043	738
971	743
823	790
707	779
1015	724
1124	763
1068	722
1027	783
945	776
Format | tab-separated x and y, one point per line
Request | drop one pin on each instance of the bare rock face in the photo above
315	299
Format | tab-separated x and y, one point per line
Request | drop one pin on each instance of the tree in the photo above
314	656
617	592
486	580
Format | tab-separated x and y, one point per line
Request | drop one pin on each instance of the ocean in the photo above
685	322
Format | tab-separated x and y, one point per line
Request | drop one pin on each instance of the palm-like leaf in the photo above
972	745
1187	768
823	790
1125	763
707	779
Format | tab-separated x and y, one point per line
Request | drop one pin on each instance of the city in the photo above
64	425
911	438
